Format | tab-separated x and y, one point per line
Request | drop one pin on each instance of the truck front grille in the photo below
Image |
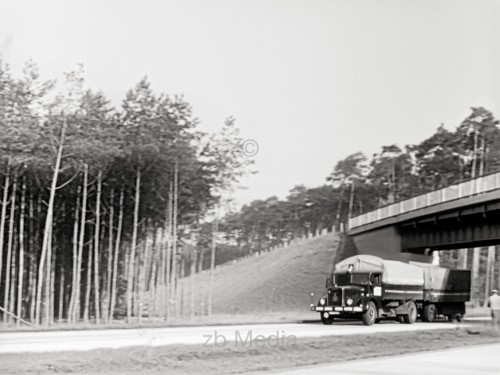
335	297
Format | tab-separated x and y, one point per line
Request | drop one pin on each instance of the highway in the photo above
51	341
462	361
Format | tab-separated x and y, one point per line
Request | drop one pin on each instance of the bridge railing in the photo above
464	189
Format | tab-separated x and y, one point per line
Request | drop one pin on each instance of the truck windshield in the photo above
342	279
351	278
360	278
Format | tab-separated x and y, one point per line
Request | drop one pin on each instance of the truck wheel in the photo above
429	313
370	315
411	317
400	318
327	320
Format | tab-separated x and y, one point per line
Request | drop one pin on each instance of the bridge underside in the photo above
470	227
415	236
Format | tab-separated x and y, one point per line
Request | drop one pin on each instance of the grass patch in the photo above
214	320
233	359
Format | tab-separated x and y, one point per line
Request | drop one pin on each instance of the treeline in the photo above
359	184
99	205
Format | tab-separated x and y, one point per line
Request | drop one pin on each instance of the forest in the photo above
106	210
101	205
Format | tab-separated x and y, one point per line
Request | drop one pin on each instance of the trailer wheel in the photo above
327	320
370	315
429	313
411	317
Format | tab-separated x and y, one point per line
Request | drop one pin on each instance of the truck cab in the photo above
351	294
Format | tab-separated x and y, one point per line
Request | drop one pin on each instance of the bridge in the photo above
458	216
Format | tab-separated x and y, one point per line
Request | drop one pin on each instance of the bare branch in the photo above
69	181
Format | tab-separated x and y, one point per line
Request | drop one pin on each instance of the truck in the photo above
371	288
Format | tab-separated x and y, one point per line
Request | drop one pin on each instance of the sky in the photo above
311	81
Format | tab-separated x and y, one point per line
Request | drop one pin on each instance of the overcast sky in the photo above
311	81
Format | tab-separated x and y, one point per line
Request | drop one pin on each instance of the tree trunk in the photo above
61	293
115	257
81	240
168	274
351	199
88	285
2	221
163	272
21	252
131	271
481	165
8	263
32	287
339	209
143	268
51	273
75	271
152	279
135	290
173	293
33	260
48	224
474	159
97	299
48	281
13	282
109	272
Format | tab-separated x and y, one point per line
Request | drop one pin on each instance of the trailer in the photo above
371	288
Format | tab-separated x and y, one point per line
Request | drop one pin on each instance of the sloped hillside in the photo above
280	280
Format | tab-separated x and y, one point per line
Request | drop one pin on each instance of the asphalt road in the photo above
17	342
474	360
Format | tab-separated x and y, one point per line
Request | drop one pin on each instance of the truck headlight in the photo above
349	301
322	301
